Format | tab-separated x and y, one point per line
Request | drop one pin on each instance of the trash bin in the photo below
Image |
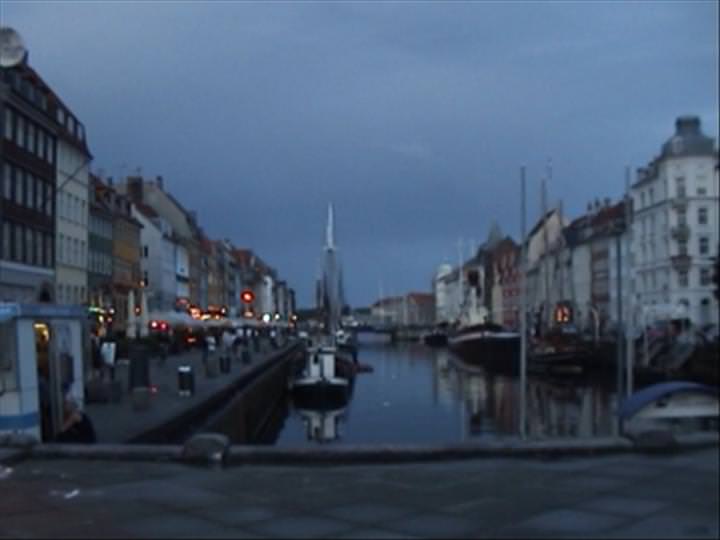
224	364
139	376
186	381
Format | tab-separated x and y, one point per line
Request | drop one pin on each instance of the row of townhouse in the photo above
69	236
656	250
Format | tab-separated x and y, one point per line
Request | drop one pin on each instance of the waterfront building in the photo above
126	278
100	246
506	286
445	301
184	232
72	190
28	157
675	225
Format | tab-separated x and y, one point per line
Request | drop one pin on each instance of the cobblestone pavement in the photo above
618	496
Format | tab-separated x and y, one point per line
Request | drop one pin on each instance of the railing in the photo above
681	263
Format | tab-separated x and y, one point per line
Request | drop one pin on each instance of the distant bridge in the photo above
397	332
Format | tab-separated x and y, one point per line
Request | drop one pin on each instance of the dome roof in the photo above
688	139
443	270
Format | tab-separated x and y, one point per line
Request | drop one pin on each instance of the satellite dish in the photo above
12	48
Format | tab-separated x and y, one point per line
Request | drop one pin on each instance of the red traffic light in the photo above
247	296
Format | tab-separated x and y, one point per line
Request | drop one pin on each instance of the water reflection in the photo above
556	407
418	395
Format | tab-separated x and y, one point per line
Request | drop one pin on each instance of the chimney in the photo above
589	207
159	182
135	188
110	181
687	125
607	202
597	204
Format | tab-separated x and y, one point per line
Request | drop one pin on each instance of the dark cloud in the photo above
413	118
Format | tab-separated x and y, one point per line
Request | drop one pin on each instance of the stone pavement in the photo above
120	422
616	496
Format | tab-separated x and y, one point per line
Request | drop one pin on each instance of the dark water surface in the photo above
419	395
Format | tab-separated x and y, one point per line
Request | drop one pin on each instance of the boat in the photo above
345	341
478	341
325	381
326	378
437	337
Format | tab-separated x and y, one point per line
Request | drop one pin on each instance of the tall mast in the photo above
523	309
543	260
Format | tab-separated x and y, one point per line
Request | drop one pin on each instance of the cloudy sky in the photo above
412	118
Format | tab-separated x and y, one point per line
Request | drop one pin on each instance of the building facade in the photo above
100	246
675	225
28	157
72	188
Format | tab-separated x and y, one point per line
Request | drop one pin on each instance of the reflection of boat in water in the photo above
322	425
325	381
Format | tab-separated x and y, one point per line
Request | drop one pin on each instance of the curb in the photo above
359	454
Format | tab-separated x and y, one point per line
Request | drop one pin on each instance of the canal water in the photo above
420	395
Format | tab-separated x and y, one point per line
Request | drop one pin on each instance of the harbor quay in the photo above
163	412
625	495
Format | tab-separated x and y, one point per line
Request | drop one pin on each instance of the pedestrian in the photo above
228	342
77	426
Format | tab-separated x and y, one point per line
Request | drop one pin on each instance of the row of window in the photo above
71	124
29	136
680	191
71	251
702	216
70	294
100	263
25	245
26	89
101	227
649	280
648	253
72	208
25	189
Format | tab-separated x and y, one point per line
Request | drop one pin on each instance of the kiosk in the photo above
41	361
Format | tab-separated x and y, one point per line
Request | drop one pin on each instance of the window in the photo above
18	187
704	247
75	251
9	124
682	279
680	187
702	216
48	199
39	248
20	132
145	251
61	294
18	244
6	238
83	262
61	251
68	249
682	219
642	199
31	137
29	247
82	295
7	182
27	195
701	191
705	276
49	251
652	196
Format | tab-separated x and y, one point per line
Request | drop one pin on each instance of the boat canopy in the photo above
639	400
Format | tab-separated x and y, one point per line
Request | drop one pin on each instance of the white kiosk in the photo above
41	361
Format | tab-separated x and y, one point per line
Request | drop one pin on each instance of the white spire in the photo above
330	231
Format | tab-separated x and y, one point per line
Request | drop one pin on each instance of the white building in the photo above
72	211
675	225
445	302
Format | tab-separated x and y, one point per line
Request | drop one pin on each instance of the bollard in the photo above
186	381
224	364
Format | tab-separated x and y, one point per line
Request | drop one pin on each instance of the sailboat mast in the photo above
543	260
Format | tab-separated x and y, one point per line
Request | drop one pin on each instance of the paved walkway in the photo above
618	496
119	422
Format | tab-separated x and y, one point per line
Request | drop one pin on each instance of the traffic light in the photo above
247	296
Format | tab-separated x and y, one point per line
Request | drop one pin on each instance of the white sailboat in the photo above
326	378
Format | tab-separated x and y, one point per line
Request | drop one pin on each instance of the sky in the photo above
412	118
